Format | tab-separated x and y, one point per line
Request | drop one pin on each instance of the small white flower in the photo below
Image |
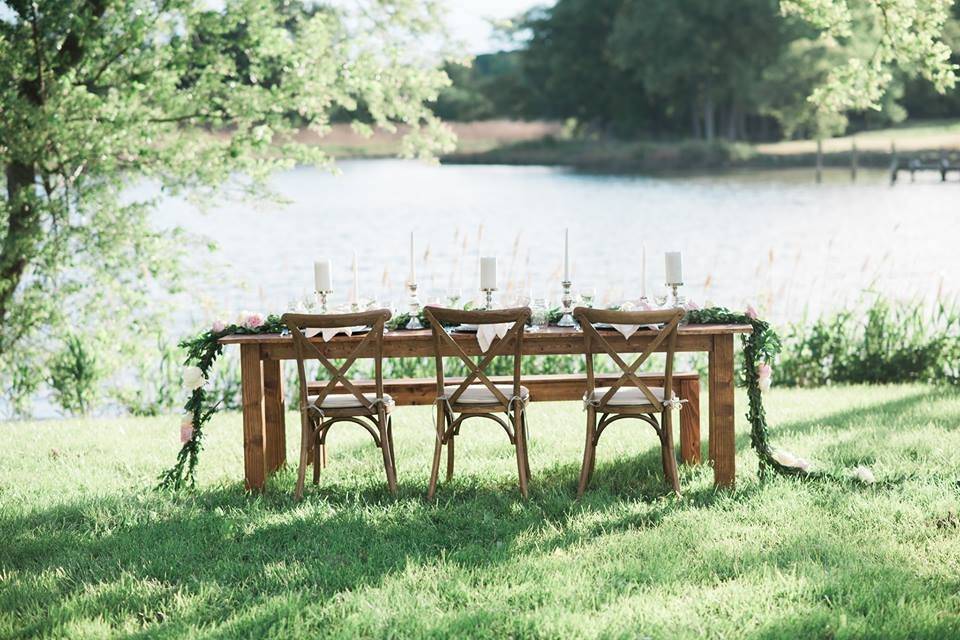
784	457
864	474
193	378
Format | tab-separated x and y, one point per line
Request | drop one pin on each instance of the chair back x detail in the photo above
510	344
595	343
372	344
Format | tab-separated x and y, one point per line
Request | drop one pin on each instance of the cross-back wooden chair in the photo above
340	400
477	396
629	396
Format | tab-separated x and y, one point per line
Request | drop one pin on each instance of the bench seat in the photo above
554	387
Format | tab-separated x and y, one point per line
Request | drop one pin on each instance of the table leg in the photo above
273	413
254	454
690	422
721	426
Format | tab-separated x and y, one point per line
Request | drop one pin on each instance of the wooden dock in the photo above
942	163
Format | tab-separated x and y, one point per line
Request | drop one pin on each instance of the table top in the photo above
549	334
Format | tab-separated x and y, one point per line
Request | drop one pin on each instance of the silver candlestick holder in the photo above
322	300
677	298
566	320
413	307
488	304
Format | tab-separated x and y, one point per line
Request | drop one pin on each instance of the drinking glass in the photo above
587	296
539	314
453	298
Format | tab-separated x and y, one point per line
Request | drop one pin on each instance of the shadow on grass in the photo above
252	560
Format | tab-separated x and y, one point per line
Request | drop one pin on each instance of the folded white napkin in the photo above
629	329
487	332
329	332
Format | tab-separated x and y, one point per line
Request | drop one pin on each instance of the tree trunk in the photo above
708	117
23	230
695	119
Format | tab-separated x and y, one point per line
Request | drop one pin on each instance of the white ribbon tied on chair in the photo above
487	333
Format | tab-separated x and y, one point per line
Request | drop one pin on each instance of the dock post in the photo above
894	163
944	164
819	160
854	159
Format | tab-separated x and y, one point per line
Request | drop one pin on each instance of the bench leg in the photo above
690	422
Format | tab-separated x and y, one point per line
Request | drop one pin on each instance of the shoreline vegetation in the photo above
514	142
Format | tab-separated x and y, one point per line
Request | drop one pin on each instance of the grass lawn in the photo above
88	549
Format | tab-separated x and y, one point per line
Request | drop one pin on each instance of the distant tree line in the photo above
735	69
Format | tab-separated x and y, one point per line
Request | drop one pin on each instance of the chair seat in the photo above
348	400
480	394
628	396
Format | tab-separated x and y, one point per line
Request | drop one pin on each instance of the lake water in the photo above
774	239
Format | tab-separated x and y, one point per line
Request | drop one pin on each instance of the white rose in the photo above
784	457
193	378
864	475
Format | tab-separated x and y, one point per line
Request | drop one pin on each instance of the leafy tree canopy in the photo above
97	95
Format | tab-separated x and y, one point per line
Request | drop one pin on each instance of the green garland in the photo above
759	347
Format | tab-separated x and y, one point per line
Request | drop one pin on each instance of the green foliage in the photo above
90	551
908	37
882	343
75	376
197	97
738	69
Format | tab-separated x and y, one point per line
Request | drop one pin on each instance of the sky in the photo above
469	20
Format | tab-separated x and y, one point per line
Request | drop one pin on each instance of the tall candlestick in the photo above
355	294
674	267
488	273
566	254
413	266
321	275
643	271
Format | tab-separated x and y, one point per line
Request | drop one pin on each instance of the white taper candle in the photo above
355	293
674	267
321	275
566	255
488	272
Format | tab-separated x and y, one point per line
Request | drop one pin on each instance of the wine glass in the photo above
587	296
453	298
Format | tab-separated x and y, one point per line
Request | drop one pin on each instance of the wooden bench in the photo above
551	388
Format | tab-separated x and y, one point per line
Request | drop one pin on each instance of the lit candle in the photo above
321	275
355	294
412	278
674	267
566	255
488	273
643	271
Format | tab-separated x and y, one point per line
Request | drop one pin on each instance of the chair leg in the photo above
450	442
306	434
393	451
437	449
521	446
317	459
588	451
667	453
387	456
526	442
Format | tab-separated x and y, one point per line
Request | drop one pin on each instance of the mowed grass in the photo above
88	549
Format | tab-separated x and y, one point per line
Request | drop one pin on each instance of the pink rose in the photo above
186	430
691	306
218	326
253	321
764	376
751	312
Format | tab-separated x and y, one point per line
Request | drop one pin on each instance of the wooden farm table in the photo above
264	439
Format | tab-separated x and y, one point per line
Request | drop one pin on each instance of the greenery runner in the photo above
760	348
